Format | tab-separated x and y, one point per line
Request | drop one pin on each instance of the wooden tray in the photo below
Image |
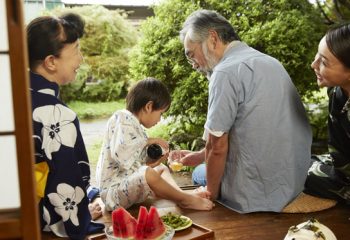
195	232
101	236
189	187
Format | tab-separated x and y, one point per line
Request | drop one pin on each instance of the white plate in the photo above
167	236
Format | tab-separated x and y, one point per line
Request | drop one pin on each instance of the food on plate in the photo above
310	230
176	221
148	225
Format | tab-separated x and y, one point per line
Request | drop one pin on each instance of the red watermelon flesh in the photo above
141	223
154	227
124	225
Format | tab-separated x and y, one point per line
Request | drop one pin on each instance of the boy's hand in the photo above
159	161
161	142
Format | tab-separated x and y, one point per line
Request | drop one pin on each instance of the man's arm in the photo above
215	153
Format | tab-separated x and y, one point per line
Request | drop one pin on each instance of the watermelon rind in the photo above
110	235
168	234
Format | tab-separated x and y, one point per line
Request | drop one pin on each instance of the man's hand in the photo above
186	157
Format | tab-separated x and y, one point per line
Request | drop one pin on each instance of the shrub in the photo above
105	46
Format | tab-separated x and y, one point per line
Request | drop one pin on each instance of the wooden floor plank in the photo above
230	225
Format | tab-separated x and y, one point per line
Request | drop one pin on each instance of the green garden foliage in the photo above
334	11
105	46
287	30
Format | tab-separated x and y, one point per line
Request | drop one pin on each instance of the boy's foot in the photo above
202	192
193	201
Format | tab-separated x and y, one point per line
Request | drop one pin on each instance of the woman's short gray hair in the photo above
198	24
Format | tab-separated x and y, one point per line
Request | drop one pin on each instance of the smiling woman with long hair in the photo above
329	176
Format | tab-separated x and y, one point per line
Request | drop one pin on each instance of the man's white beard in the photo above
210	60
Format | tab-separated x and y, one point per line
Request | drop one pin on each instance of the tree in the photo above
334	11
108	39
287	30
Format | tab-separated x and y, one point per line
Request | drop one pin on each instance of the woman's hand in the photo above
96	208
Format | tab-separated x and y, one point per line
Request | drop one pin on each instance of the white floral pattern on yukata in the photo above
132	189
57	228
58	127
66	202
119	173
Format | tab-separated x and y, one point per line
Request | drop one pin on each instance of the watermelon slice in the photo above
124	225
154	228
148	225
141	223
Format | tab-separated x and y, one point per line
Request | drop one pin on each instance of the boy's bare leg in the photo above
165	190
166	175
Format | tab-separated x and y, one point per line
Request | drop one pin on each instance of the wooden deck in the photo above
228	224
270	226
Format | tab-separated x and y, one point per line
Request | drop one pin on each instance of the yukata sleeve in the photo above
127	144
41	168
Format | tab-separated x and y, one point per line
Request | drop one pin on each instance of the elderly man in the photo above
258	138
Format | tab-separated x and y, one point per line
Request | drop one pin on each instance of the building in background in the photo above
35	8
137	10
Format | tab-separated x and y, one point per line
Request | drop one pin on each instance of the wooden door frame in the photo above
21	223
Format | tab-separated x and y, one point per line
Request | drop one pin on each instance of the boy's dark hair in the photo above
149	89
47	35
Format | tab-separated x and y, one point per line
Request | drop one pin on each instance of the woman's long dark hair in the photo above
338	42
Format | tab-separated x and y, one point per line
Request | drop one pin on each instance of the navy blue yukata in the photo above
58	143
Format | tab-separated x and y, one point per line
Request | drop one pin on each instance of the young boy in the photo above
123	176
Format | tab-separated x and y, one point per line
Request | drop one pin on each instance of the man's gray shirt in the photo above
252	98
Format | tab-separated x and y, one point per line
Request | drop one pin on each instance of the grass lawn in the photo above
86	110
93	152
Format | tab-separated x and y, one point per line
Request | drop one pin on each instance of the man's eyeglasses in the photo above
190	55
190	61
